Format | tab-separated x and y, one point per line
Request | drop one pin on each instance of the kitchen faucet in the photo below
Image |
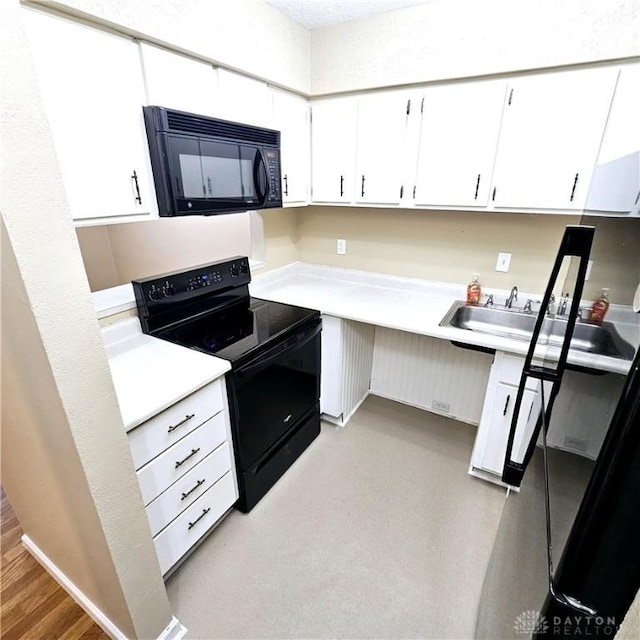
512	296
563	305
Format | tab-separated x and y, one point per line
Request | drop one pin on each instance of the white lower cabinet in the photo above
185	466
347	355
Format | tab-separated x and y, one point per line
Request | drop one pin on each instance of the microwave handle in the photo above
261	162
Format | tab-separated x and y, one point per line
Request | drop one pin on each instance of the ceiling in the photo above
314	14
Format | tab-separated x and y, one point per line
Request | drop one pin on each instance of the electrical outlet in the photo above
443	407
589	265
341	247
504	260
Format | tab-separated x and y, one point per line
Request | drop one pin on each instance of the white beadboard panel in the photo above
421	371
357	358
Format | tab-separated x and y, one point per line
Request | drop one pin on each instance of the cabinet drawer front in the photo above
158	433
176	539
171	465
511	370
188	489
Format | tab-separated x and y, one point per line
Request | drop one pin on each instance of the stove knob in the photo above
244	267
234	271
168	290
154	294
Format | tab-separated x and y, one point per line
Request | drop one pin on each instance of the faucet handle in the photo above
489	300
527	306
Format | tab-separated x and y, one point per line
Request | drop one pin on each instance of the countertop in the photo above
150	374
416	306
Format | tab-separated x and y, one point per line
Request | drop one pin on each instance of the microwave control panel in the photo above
273	175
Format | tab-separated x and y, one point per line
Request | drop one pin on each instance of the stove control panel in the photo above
184	286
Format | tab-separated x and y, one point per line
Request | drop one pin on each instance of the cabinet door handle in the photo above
506	404
493	197
286	185
362	193
341	186
209	186
175	426
199	483
179	463
136	186
202	515
573	190
530	412
477	187
401	191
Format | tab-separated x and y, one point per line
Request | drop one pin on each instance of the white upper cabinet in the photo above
382	126
333	149
291	118
179	82
458	141
93	92
551	133
244	100
615	186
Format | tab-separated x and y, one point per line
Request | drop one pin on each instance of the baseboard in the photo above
174	630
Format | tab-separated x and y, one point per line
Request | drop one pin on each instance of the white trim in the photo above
174	631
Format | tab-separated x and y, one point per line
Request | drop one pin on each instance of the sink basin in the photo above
515	324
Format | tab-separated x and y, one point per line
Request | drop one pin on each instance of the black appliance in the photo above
566	560
205	166
273	387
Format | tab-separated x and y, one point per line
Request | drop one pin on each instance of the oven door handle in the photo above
263	360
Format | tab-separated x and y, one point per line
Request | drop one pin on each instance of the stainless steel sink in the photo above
515	324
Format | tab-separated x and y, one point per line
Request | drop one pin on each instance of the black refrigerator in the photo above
566	558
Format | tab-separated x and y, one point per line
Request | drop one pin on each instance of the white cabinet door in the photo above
458	141
499	424
178	82
551	132
615	186
244	100
291	118
382	125
93	92
333	149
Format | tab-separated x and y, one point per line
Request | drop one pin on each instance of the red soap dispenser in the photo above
474	291
600	307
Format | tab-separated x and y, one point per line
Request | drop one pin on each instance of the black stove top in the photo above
238	331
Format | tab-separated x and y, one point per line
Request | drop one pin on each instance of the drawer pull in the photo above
179	463
202	515
199	483
186	419
506	404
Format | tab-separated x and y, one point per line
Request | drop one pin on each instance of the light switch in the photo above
504	260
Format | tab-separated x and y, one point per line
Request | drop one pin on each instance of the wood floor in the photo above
33	606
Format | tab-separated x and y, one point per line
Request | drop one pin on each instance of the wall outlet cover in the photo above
504	260
341	246
438	405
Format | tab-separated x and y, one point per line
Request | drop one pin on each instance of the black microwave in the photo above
206	166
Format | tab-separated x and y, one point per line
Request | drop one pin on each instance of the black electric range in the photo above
273	387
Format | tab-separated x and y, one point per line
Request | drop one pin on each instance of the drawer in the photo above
160	432
163	471
510	370
176	539
188	489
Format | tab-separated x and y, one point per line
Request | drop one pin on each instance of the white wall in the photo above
66	463
462	38
246	35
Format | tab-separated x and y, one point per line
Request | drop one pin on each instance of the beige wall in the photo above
452	245
119	253
248	36
280	228
462	38
66	463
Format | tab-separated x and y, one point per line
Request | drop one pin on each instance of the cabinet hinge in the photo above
422	106
408	107
510	96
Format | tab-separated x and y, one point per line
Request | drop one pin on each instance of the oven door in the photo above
270	393
208	176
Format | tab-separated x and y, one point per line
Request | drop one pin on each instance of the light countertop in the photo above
150	374
415	306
